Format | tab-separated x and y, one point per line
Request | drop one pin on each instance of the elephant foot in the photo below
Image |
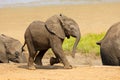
68	67
31	67
54	61
38	63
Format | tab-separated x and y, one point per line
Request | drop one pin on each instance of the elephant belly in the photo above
41	44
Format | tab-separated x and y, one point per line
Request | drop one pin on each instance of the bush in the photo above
87	43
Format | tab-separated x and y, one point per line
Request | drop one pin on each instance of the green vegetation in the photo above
87	43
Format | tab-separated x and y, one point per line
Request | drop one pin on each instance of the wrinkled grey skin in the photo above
110	46
10	50
40	36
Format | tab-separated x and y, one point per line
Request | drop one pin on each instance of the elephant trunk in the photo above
22	59
75	45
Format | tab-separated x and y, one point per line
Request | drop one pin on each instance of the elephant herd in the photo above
40	36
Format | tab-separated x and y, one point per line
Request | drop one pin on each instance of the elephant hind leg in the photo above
119	60
32	53
1	62
38	59
54	60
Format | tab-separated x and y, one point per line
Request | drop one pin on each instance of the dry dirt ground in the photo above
19	72
88	70
84	68
95	18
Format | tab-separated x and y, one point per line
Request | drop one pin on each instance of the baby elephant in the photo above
40	36
110	46
10	50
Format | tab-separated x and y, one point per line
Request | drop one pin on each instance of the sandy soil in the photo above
19	72
91	18
84	68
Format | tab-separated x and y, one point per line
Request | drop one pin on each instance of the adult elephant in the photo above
40	36
110	46
10	50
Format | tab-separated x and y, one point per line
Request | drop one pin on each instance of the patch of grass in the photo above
87	43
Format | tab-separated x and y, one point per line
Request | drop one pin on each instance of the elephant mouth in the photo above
73	36
68	36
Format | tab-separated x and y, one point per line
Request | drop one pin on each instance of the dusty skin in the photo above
95	18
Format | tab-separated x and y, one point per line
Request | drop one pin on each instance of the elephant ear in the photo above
54	26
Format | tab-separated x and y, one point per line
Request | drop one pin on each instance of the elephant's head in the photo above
63	26
14	52
13	49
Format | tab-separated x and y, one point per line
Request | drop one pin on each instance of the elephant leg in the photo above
32	54
108	59
56	45
38	59
54	60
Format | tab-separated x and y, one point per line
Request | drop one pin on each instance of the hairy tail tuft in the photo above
23	47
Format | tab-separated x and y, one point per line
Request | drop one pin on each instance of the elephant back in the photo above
3	55
11	44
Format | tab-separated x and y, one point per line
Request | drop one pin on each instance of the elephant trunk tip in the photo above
73	53
75	45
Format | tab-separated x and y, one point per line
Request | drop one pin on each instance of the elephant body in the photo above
110	46
40	40
3	56
10	50
40	36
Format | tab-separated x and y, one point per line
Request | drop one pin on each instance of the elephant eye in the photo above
16	54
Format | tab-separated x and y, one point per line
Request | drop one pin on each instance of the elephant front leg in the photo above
56	46
62	57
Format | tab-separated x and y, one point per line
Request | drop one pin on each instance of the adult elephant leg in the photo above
109	59
32	54
38	59
56	45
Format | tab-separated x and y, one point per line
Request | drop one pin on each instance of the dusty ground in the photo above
84	68
91	18
19	72
14	71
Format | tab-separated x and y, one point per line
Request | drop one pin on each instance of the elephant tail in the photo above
23	46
